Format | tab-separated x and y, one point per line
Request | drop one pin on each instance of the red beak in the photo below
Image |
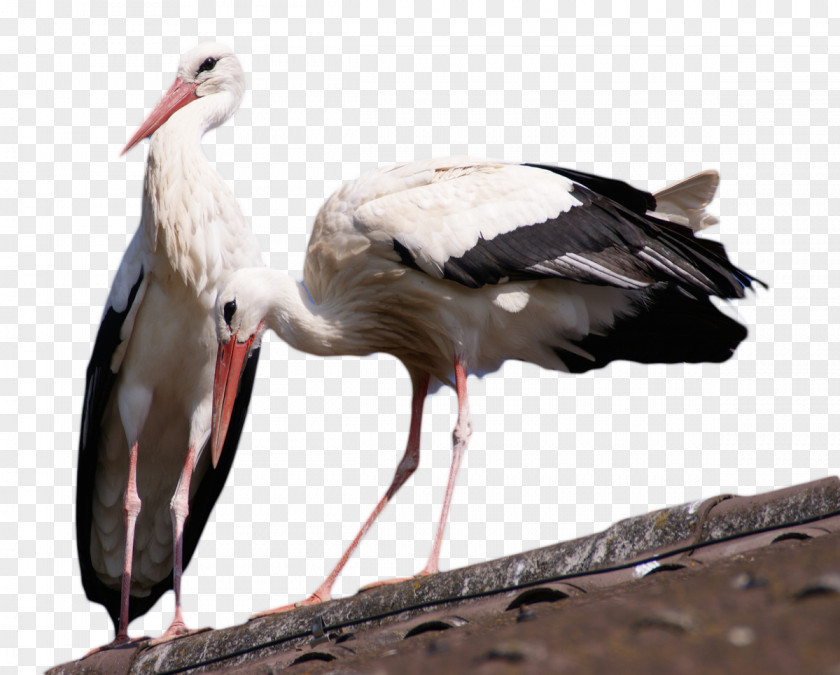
179	94
229	361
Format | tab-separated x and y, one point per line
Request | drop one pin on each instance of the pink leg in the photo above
131	509
180	508
460	439
407	466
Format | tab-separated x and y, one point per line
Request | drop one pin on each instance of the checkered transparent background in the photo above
640	93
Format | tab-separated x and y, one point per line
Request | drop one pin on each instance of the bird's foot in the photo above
119	641
428	570
382	582
314	599
178	629
390	582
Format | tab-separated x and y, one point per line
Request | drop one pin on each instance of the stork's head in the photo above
241	306
240	323
209	72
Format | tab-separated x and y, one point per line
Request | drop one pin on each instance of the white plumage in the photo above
455	265
444	205
149	385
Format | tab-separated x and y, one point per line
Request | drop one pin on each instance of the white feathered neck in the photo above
187	207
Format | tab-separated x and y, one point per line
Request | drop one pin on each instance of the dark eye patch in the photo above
230	310
209	64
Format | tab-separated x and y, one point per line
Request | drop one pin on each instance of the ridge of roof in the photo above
629	549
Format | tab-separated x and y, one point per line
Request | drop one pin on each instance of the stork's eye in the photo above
230	310
209	64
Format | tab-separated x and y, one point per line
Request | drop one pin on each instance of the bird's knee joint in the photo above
462	432
131	506
408	465
179	512
179	509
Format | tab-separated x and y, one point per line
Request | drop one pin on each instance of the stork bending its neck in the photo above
275	301
454	265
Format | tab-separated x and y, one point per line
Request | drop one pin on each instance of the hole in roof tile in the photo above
668	567
313	656
670	620
784	536
534	596
826	584
428	627
515	652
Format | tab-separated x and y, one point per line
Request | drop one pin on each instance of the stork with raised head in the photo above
146	419
455	265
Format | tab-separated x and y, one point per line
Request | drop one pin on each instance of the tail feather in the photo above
685	202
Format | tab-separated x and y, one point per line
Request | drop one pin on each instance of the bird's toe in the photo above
314	599
271	612
382	582
177	630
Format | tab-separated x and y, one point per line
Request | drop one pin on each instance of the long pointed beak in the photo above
179	94
230	359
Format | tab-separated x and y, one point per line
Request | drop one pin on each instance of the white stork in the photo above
147	406
455	265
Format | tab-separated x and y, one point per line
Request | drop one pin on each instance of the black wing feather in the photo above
620	192
608	232
100	383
